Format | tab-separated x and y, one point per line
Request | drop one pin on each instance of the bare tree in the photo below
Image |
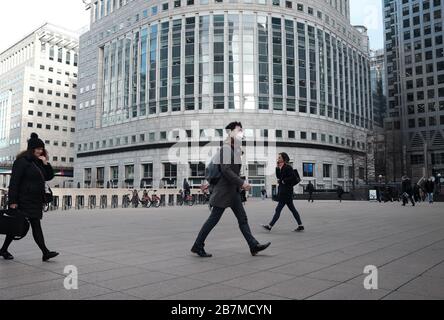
357	158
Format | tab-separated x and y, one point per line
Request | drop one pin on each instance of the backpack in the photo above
212	171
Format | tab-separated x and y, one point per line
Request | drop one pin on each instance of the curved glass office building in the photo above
296	70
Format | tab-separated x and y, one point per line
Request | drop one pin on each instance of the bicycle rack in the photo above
126	202
179	200
103	202
66	202
80	202
162	200
114	201
54	205
171	200
92	202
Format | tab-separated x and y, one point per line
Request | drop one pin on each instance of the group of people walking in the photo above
31	170
226	193
421	191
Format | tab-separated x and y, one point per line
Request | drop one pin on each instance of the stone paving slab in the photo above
145	254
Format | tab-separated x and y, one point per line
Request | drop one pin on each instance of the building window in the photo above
417	159
340	172
114	175
129	176
361	173
308	169
100	177
147	175
169	175
327	170
87	177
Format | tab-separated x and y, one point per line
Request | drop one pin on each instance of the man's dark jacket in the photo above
227	190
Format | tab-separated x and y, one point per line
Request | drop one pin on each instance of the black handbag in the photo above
13	223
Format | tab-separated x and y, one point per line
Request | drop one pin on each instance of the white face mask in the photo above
240	135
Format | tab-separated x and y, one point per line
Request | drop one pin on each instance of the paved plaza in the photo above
145	254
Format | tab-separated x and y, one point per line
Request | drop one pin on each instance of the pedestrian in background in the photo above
430	189
263	193
287	180
417	192
407	191
340	192
310	189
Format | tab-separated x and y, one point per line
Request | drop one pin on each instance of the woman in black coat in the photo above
286	178
30	172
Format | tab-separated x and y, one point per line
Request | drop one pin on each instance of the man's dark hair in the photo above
233	126
285	157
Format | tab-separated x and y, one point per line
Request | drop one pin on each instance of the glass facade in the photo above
234	61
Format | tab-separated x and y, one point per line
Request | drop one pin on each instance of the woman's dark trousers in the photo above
214	218
37	233
281	206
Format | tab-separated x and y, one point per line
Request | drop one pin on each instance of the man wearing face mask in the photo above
226	193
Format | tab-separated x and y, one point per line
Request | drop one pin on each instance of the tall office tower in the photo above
38	88
415	86
378	85
297	70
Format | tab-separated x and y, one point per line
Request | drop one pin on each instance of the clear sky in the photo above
369	14
18	18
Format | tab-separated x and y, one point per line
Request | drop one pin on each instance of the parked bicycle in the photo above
188	200
148	201
126	201
135	199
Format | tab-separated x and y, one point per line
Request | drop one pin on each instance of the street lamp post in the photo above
439	183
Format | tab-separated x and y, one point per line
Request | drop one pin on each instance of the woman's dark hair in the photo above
285	157
30	154
26	153
233	126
